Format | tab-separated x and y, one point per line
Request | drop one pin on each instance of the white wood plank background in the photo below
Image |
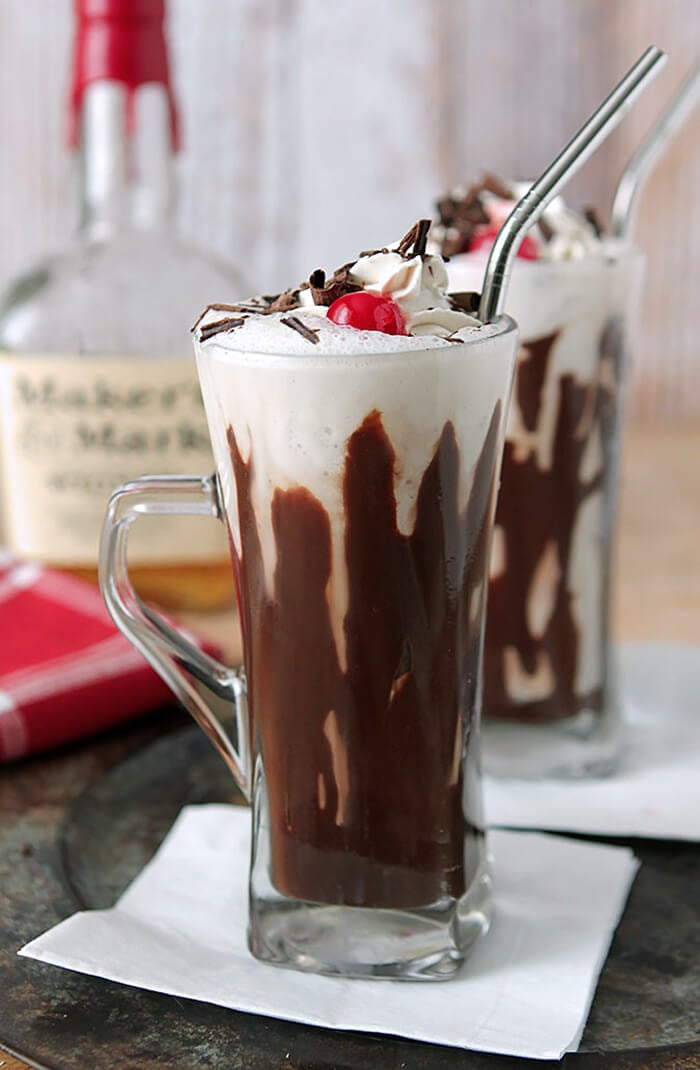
314	129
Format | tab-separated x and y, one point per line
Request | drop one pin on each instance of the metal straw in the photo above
650	152
580	148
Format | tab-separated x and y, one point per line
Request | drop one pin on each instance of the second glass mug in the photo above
359	495
551	693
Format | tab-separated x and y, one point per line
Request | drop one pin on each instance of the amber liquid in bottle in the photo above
98	383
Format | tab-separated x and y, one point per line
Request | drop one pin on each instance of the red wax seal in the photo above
120	41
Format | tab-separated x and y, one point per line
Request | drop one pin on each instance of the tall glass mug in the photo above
359	494
551	702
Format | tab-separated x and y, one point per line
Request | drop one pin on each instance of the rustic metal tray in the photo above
76	828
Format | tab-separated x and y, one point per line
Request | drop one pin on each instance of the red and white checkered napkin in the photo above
65	670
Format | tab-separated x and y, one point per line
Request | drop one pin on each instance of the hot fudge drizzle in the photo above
538	509
363	751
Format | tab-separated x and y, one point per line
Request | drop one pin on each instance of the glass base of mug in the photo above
424	944
587	745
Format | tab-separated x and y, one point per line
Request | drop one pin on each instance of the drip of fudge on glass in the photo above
361	570
548	618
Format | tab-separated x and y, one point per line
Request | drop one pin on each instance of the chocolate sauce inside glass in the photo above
363	749
538	508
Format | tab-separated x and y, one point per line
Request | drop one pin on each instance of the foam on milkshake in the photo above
268	335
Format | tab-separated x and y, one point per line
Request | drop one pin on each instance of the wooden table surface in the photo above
658	586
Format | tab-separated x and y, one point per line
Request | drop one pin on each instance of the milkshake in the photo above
550	697
357	424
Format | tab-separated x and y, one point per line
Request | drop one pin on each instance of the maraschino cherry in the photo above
368	311
484	239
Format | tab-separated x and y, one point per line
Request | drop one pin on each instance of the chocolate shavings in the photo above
459	217
215	308
591	216
337	286
465	301
546	230
284	302
309	333
228	324
414	242
461	212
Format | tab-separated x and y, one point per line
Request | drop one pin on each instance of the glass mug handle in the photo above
197	680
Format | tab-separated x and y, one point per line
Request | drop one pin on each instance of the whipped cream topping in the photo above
414	279
418	286
560	234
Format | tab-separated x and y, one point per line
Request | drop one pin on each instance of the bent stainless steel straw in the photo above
650	152
564	167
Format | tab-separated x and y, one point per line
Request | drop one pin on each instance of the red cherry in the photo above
368	311
484	239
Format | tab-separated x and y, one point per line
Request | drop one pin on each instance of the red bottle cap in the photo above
120	41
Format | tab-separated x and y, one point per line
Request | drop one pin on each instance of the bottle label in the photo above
72	429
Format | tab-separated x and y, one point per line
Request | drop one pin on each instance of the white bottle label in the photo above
72	429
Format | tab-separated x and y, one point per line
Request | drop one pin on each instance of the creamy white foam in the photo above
269	335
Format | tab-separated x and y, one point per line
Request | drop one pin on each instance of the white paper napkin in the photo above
656	790
526	989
